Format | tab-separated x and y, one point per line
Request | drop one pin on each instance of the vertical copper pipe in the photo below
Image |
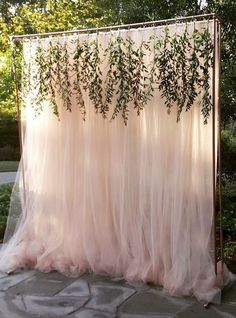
213	145
219	151
17	92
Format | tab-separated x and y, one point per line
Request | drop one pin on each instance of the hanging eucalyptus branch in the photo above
66	86
206	54
55	53
125	68
183	46
90	73
77	81
167	77
193	80
179	67
141	93
26	74
111	79
121	75
40	79
49	74
154	47
129	73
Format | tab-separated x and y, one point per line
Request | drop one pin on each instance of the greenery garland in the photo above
167	77
206	54
193	79
180	69
77	80
40	80
90	72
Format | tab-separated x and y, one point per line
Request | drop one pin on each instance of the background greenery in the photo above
19	17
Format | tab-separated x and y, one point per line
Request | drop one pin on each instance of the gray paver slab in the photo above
78	288
229	293
13	308
30	294
90	313
199	311
108	297
39	285
226	310
139	286
181	302
58	306
54	275
147	316
150	303
14	279
95	278
3	274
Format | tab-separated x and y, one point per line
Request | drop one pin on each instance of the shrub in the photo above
9	153
9	141
228	152
5	195
229	220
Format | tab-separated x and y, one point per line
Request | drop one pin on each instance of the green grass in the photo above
6	166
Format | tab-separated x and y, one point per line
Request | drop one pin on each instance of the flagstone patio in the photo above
30	294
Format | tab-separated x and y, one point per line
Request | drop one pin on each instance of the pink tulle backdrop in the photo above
132	201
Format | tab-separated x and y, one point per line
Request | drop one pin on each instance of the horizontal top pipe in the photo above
116	27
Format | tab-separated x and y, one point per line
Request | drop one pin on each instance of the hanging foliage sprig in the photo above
77	81
90	72
207	56
123	73
40	79
179	67
183	46
66	85
167	76
26	74
193	80
51	89
111	79
140	89
154	48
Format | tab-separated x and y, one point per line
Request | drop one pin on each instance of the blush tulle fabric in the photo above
131	201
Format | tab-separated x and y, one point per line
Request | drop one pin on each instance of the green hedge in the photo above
9	141
229	218
228	153
5	195
9	132
6	166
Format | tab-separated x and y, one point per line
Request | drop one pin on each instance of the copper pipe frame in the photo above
216	157
215	99
117	27
213	147
220	152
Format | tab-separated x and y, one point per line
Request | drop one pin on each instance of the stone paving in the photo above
31	294
7	177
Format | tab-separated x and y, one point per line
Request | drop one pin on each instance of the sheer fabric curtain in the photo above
132	201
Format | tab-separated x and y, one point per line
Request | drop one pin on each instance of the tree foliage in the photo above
36	16
226	10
